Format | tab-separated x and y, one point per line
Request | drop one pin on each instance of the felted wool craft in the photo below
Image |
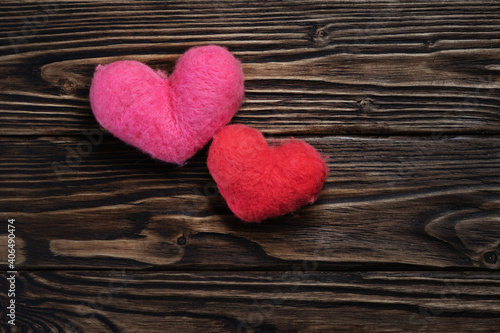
170	118
259	181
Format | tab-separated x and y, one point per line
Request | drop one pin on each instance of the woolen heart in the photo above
170	118
259	181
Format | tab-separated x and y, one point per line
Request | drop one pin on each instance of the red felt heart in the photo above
260	181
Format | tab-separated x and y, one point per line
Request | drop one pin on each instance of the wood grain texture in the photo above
405	237
292	301
311	67
387	201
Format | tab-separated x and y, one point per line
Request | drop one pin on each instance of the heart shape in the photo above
170	118
259	181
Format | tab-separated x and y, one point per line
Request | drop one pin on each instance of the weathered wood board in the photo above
311	67
398	200
290	301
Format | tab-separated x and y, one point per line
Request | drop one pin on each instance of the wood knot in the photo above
366	105
430	43
490	257
474	232
321	33
67	86
181	240
321	36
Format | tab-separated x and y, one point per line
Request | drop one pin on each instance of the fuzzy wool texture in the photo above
170	118
259	181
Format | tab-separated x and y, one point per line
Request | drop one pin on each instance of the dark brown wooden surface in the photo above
403	96
311	66
397	200
290	301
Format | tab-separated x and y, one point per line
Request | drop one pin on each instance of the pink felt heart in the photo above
260	181
170	118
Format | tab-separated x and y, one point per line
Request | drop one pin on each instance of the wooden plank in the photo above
293	301
95	202
312	67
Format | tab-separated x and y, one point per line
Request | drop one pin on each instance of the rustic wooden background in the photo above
404	96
